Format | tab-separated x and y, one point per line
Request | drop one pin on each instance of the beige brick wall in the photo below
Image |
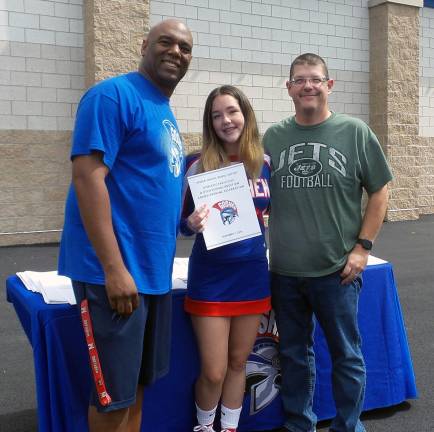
192	142
35	172
35	175
394	110
114	32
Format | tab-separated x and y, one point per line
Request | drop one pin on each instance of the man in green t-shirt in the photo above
319	241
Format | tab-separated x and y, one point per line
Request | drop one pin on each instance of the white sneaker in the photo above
203	428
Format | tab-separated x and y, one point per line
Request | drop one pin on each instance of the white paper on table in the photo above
180	273
227	194
57	289
373	260
54	288
29	281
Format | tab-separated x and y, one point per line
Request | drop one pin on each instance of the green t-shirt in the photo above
318	173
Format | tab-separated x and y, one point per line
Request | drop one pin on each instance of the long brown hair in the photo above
213	154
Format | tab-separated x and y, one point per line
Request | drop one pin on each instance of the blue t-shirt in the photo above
130	122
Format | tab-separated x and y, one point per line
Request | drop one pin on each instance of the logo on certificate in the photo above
228	211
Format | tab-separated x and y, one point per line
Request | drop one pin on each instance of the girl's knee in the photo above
213	377
237	363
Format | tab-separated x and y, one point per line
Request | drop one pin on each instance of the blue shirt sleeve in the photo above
98	127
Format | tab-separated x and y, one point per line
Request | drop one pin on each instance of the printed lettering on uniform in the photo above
174	148
259	188
310	165
228	211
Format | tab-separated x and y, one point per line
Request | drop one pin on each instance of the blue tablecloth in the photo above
63	380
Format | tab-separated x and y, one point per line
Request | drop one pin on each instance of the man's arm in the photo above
88	177
371	224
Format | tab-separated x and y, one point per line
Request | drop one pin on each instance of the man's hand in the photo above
356	262
121	292
197	220
372	220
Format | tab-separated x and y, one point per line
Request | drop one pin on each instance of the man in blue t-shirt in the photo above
121	222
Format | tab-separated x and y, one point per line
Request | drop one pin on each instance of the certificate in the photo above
232	215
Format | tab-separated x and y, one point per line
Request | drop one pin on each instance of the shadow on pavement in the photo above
384	413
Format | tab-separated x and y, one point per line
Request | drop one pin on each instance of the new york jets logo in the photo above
305	167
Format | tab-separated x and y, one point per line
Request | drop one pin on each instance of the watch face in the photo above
366	244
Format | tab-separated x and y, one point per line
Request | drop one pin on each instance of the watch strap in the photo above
365	243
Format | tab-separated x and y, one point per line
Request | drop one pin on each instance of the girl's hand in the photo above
197	220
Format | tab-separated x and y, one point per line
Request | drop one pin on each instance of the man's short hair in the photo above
310	59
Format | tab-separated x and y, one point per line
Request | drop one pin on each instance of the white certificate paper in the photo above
232	215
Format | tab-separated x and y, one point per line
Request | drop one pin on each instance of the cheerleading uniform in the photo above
233	279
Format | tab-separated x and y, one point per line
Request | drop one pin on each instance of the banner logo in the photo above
263	377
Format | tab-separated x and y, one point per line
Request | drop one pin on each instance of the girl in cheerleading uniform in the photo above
228	287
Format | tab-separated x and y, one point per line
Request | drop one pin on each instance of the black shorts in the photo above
133	350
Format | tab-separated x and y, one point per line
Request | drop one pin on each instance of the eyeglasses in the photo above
315	81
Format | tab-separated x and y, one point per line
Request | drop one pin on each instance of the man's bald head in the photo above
166	54
162	26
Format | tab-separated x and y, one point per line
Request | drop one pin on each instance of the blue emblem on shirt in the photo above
175	153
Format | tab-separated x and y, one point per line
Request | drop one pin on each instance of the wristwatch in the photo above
365	243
